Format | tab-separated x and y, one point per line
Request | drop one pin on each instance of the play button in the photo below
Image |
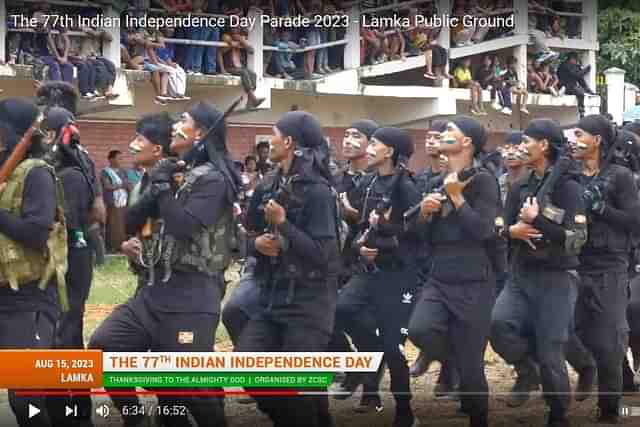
33	411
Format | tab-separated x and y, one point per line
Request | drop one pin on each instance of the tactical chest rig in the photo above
19	264
207	252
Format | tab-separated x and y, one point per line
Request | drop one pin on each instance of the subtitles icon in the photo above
103	411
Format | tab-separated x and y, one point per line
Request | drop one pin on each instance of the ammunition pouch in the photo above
20	265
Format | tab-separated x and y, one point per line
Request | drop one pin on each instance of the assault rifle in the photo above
463	175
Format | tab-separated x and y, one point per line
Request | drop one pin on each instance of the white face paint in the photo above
370	151
352	143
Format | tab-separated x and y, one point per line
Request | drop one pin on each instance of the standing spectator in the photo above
250	176
571	75
203	58
134	175
263	165
114	184
464	79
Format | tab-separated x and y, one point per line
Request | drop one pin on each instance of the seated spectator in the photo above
460	34
534	82
501	90
518	89
464	79
85	68
571	75
282	62
483	8
104	71
371	47
159	72
132	49
486	76
537	13
549	81
177	77
55	54
232	60
396	45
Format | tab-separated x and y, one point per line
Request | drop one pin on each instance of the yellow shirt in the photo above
462	74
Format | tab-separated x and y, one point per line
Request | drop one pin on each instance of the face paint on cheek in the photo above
371	151
353	144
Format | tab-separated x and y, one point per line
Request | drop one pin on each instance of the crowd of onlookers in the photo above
500	77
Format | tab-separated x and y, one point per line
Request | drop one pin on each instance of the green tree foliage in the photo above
632	5
619	37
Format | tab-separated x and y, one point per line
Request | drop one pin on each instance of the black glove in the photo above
162	172
594	200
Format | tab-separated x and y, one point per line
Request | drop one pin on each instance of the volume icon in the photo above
103	411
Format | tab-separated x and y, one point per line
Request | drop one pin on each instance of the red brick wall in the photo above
102	137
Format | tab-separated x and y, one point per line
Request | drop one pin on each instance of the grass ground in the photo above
113	284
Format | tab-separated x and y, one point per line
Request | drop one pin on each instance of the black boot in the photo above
369	402
528	380
346	388
586	382
405	418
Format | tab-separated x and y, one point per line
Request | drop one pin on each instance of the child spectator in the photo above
518	88
232	60
549	81
177	77
464	79
159	72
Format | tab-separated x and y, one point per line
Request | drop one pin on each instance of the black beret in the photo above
19	112
473	129
303	127
399	139
366	127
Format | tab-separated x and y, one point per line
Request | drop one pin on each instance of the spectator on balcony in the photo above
203	58
282	62
460	34
371	47
518	88
396	49
177	77
549	81
557	29
233	60
85	68
56	54
537	16
482	8
487	76
159	71
463	78
132	48
571	75
572	23
102	77
312	37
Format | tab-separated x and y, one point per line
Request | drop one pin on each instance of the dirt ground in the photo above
430	412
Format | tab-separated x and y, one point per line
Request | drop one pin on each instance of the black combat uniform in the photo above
533	314
179	310
28	315
352	319
299	287
611	199
390	283
451	320
78	201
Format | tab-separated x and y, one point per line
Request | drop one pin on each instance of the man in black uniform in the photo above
297	259
64	154
388	255
28	314
451	320
178	308
612	204
546	224
448	379
353	315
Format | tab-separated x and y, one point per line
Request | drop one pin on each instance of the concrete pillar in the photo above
352	35
111	50
3	29
521	16
520	53
255	60
589	21
589	58
615	93
444	38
